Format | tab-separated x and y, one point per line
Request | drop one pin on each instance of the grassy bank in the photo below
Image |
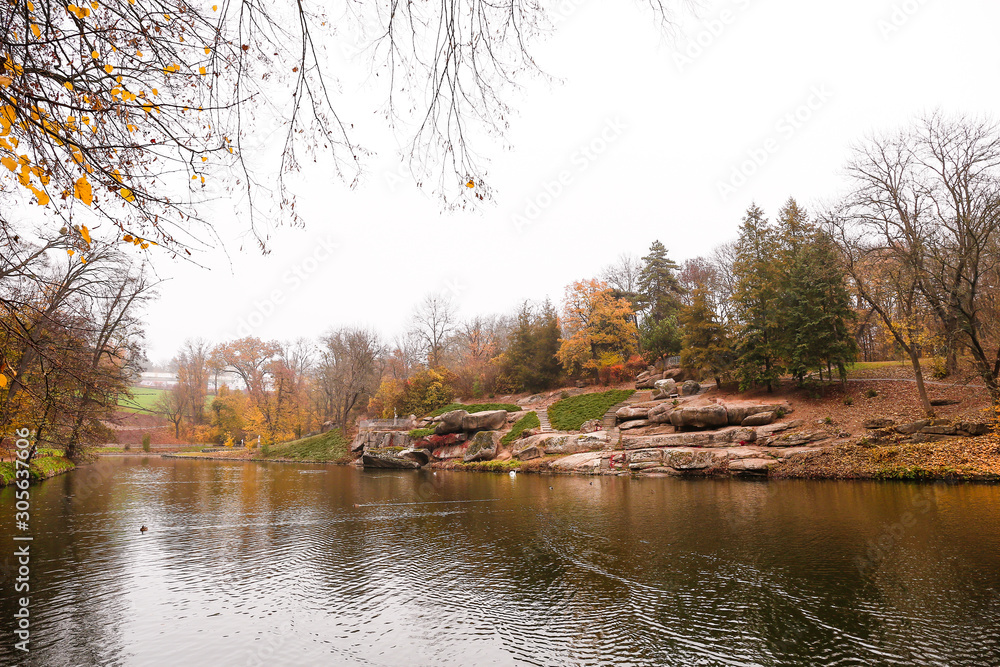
331	446
570	413
42	467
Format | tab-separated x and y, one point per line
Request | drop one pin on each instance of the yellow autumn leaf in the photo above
201	70
109	69
130	198
6	80
207	50
35	31
127	238
83	191
470	184
95	54
85	233
70	252
3	381
68	85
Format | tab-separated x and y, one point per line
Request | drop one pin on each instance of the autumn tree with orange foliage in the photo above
598	329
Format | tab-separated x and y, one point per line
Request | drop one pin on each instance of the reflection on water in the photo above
250	564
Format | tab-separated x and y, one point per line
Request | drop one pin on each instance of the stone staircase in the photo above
610	420
543	419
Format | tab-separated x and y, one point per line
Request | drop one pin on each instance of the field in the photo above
328	446
144	400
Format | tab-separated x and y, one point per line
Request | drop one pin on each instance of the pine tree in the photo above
659	290
756	304
706	346
545	363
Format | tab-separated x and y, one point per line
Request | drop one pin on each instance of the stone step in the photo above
543	419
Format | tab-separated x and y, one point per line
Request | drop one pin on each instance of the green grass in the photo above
144	400
476	407
529	420
329	446
570	413
42	467
418	433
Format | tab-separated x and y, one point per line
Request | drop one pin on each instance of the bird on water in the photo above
143	529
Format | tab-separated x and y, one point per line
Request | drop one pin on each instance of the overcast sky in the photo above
653	136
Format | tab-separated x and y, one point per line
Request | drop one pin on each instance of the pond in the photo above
286	564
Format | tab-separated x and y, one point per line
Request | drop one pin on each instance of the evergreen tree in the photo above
706	346
660	339
659	291
815	303
531	355
756	304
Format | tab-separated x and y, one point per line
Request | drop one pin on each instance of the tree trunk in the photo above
925	402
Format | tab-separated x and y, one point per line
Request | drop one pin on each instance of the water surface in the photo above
278	564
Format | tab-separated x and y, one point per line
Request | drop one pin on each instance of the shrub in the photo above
145	442
529	420
126	448
939	368
871	393
570	413
848	400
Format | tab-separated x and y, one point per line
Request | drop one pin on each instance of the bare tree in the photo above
433	323
928	199
349	369
192	375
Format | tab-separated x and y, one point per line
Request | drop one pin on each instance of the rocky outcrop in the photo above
627	413
722	438
636	423
591	426
482	447
366	440
873	424
649	378
737	413
489	420
450	422
546	443
751	466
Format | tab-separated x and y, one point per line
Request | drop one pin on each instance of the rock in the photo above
879	422
688	459
435	441
706	416
489	420
673	374
913	427
591	426
528	453
446	452
635	423
627	413
759	419
450	422
737	413
664	389
743	434
972	428
661	413
420	456
528	400
584	462
549	443
796	439
643	376
751	466
646	456
388	458
939	430
482	447
690	388
370	440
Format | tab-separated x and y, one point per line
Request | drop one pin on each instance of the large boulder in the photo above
367	440
689	459
972	428
635	423
660	414
759	419
664	389
627	413
706	416
450	422
490	420
737	413
751	466
482	447
690	388
529	452
676	374
390	458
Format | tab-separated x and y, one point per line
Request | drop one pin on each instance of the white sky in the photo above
675	131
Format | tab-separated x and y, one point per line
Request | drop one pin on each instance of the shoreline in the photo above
41	469
967	460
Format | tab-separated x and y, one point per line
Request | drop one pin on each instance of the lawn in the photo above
570	413
329	446
42	467
529	420
144	400
476	407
